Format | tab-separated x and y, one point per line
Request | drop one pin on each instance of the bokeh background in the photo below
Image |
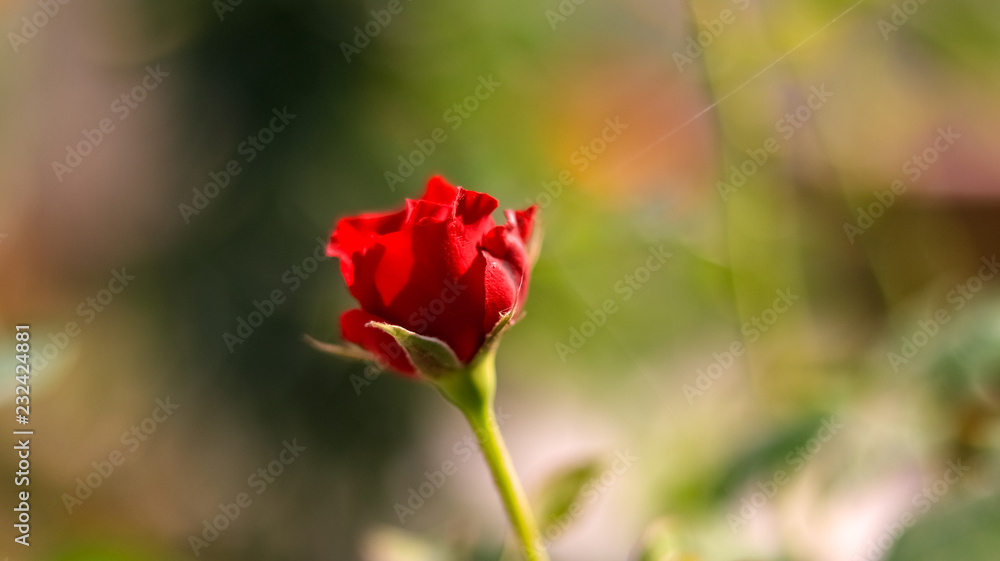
858	419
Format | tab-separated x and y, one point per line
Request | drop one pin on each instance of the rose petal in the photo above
506	244
525	220
432	284
423	210
357	233
501	284
440	191
475	209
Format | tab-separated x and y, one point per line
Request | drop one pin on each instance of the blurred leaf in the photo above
555	499
968	532
765	455
710	485
970	364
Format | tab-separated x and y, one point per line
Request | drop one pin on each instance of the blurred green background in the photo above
812	374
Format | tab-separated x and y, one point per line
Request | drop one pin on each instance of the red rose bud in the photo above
436	281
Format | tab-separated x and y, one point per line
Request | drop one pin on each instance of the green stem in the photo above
505	478
472	391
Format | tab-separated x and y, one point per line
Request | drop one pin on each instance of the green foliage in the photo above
554	501
968	532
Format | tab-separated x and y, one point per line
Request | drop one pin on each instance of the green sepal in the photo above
493	338
431	357
473	387
349	351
